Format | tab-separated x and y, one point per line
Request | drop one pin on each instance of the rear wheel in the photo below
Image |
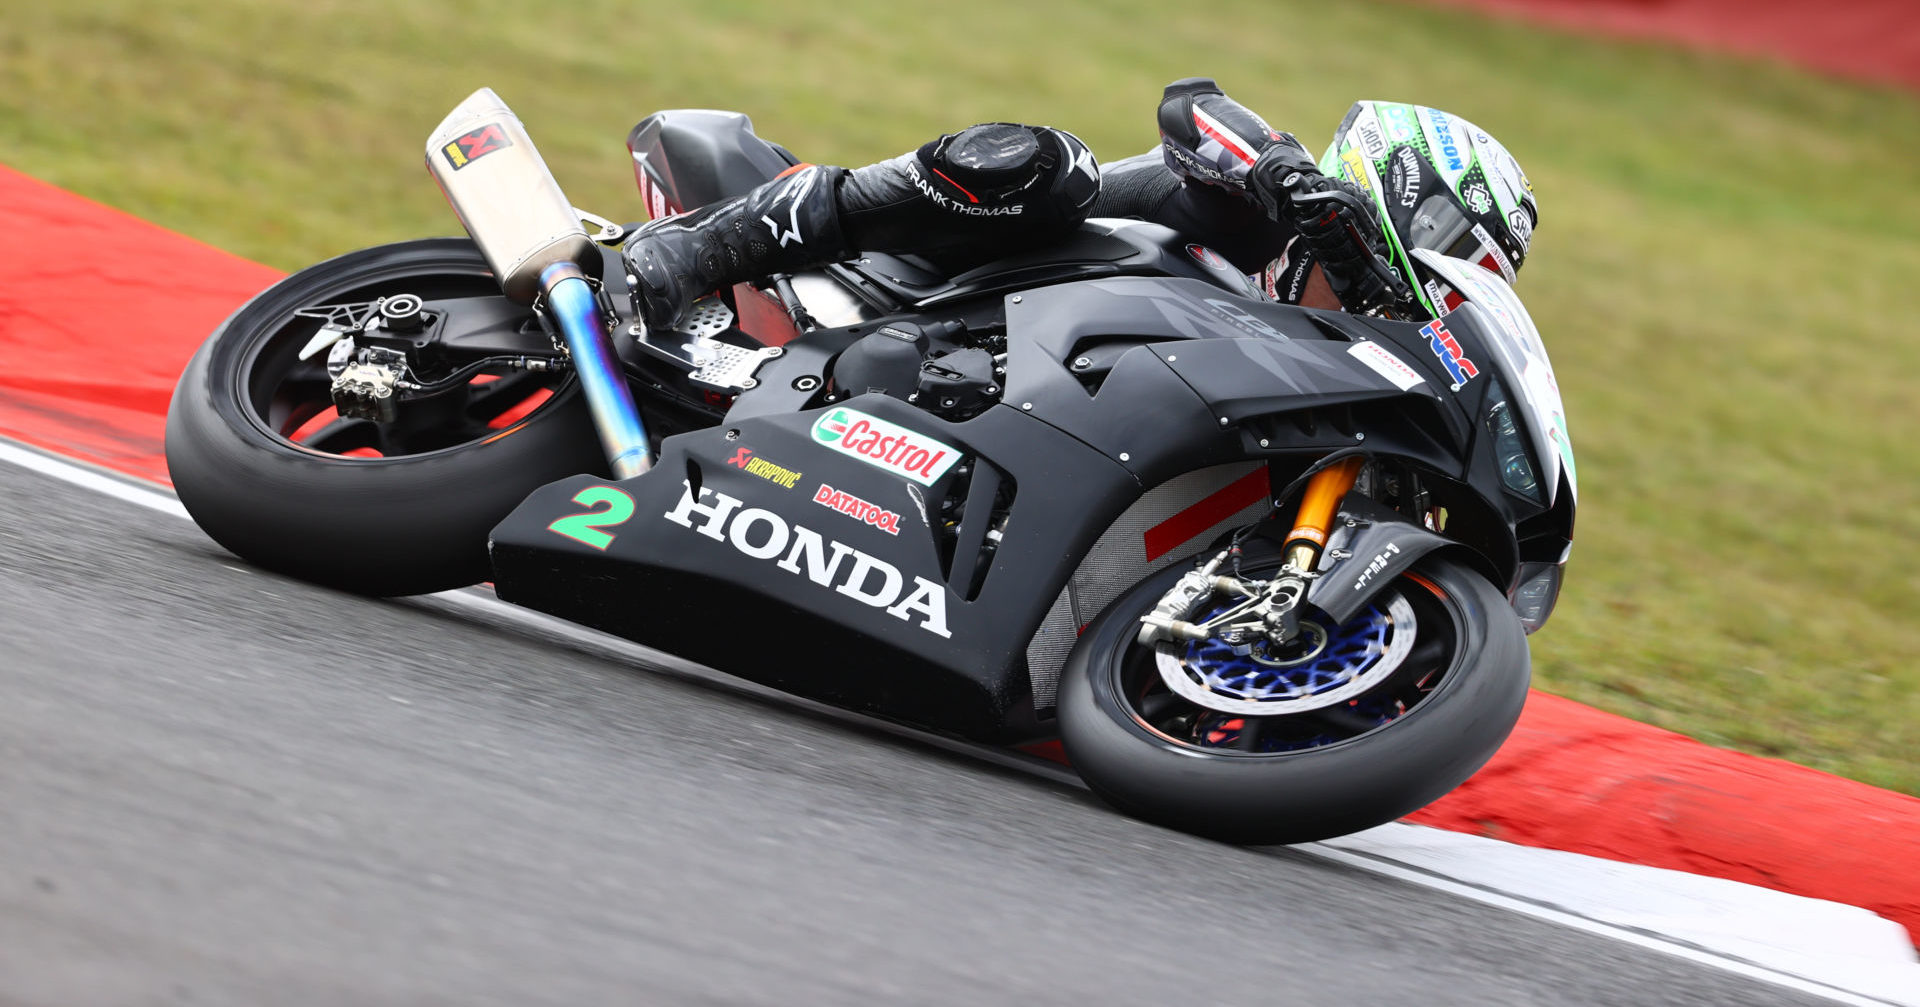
271	471
1362	723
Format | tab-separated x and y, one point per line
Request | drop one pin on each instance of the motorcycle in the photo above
1265	571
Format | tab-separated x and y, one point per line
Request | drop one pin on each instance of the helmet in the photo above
1438	182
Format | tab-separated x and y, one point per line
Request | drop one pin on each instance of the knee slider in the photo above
1040	177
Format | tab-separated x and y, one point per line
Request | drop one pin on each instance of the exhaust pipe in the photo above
497	184
505	197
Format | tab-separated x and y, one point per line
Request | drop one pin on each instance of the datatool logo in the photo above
885	445
858	509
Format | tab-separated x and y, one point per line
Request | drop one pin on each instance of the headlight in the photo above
1510	448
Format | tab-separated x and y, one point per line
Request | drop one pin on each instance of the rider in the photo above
1222	176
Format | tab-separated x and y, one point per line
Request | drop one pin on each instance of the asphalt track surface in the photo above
220	786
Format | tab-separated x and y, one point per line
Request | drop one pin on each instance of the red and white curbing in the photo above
1578	779
1572	778
1834	946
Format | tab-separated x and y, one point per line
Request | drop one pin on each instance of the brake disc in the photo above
1335	666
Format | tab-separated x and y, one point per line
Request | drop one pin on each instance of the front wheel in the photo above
1373	719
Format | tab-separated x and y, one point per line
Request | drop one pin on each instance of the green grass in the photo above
1724	272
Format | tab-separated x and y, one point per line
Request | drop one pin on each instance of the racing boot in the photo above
788	224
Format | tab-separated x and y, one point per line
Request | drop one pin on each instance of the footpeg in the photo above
712	364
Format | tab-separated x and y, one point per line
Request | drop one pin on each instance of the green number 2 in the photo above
585	528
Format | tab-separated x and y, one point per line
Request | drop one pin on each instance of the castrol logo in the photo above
885	445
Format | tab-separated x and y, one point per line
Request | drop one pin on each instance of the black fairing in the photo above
1049	469
1500	527
677	589
1250	371
692	157
1100	247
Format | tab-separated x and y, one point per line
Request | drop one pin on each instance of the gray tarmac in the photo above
220	786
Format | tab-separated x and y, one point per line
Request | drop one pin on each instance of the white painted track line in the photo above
118	487
1839	953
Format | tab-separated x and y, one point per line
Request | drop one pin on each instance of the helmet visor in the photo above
1440	225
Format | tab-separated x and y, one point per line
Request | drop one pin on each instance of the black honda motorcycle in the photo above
1265	571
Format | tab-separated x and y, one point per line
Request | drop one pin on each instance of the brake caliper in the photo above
366	379
364	388
1253	654
1266	611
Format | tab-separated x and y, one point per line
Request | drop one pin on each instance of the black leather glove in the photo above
1279	171
1340	225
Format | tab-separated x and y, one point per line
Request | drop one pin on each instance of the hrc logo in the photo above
1447	348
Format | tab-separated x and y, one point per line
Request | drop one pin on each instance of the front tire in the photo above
357	507
1160	757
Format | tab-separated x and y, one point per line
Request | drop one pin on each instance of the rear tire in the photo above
1343	786
408	524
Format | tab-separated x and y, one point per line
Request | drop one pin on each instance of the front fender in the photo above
1374	545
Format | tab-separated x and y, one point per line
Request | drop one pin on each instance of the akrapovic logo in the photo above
745	460
885	445
758	533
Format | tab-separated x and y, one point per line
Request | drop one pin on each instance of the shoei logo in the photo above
885	445
1448	350
472	147
757	533
1522	227
1373	143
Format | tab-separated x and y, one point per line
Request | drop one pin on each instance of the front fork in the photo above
1267	609
1325	489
